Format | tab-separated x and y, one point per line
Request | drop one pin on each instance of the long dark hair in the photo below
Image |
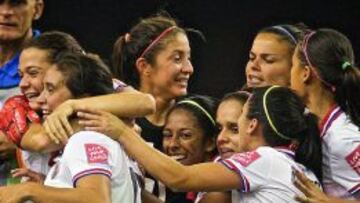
284	120
130	46
329	53
85	75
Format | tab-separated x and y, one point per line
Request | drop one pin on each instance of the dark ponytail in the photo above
345	97
281	113
330	54
309	151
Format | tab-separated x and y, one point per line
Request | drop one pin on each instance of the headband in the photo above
286	32
195	104
307	58
268	115
157	39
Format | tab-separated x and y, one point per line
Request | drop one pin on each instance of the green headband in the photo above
345	65
268	116
199	107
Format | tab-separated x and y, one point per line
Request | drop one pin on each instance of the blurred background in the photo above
228	25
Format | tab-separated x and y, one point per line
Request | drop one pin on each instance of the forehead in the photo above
33	57
53	76
230	106
270	43
181	116
179	42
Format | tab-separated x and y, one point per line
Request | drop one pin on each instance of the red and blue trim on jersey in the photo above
93	171
333	113
245	186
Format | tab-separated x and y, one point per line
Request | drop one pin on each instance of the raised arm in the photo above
198	177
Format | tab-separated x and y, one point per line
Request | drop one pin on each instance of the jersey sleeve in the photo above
16	115
345	163
252	167
88	153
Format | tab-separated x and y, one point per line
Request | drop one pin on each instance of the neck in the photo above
11	48
163	105
319	101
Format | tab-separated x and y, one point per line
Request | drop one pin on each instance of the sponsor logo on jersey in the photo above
96	153
354	159
247	158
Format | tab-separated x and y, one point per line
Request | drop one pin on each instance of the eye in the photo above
219	127
269	60
185	135
17	2
177	58
251	57
166	134
234	128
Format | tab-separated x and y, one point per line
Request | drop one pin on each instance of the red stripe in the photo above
246	185
355	189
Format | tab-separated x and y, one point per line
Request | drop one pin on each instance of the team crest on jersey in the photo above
247	158
96	153
354	159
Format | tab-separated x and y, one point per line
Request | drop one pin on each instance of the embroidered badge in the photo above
96	153
354	159
247	158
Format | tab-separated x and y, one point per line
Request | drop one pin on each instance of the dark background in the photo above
228	25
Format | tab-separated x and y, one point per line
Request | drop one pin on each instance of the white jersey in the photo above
234	193
341	155
88	153
36	161
267	175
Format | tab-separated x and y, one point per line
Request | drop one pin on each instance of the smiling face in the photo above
172	69
55	91
227	117
16	17
269	61
33	64
184	139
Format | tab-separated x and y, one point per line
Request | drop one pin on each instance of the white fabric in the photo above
36	162
267	175
88	153
341	156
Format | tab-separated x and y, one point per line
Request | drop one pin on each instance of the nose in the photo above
172	143
222	138
6	9
41	99
24	83
188	67
253	64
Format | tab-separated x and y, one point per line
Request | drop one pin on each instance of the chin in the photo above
34	105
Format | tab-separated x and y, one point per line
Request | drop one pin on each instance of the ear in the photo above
306	74
210	145
142	66
39	8
252	127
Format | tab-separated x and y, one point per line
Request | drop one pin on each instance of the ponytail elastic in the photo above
346	65
193	103
268	115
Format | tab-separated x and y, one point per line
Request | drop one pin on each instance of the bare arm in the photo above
125	104
90	189
36	140
215	197
198	177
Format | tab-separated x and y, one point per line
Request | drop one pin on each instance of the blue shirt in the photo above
9	76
